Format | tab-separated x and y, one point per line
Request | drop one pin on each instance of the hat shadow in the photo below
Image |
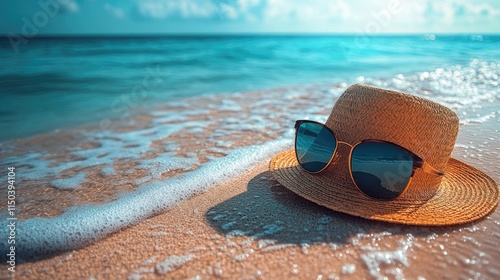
269	211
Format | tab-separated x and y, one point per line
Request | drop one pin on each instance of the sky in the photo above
34	17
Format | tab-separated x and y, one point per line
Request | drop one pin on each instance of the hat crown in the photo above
423	127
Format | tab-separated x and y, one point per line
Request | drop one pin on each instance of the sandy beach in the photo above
249	226
147	158
253	228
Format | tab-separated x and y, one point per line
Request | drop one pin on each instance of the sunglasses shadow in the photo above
269	211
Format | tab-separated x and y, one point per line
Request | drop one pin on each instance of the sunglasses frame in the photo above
417	161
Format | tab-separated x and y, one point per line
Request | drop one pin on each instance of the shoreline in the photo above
91	165
253	228
207	237
133	106
244	224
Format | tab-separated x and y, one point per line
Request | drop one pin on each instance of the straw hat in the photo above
424	127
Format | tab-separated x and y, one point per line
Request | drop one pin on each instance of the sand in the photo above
253	228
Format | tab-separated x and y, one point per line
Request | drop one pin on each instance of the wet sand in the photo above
249	226
253	228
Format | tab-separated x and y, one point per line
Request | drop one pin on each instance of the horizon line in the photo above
242	34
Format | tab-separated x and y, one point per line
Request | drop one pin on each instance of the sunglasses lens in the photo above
314	146
381	170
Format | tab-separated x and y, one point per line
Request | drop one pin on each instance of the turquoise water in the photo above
54	83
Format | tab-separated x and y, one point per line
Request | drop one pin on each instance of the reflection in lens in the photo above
314	146
381	170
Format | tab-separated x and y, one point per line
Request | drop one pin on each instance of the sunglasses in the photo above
381	170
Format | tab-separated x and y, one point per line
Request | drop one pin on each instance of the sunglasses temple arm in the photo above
427	168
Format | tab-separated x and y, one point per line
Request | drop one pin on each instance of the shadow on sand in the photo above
267	210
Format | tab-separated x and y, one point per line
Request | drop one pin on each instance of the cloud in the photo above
328	15
70	6
448	12
159	9
482	10
246	5
228	10
263	10
306	11
116	11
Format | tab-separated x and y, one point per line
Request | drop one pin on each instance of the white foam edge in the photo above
86	224
69	183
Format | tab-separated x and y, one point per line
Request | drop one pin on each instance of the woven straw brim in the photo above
465	194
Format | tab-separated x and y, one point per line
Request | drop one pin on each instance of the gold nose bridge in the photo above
345	143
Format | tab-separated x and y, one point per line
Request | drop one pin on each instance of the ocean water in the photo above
60	82
106	132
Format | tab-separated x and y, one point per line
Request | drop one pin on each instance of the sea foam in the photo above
79	227
474	86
